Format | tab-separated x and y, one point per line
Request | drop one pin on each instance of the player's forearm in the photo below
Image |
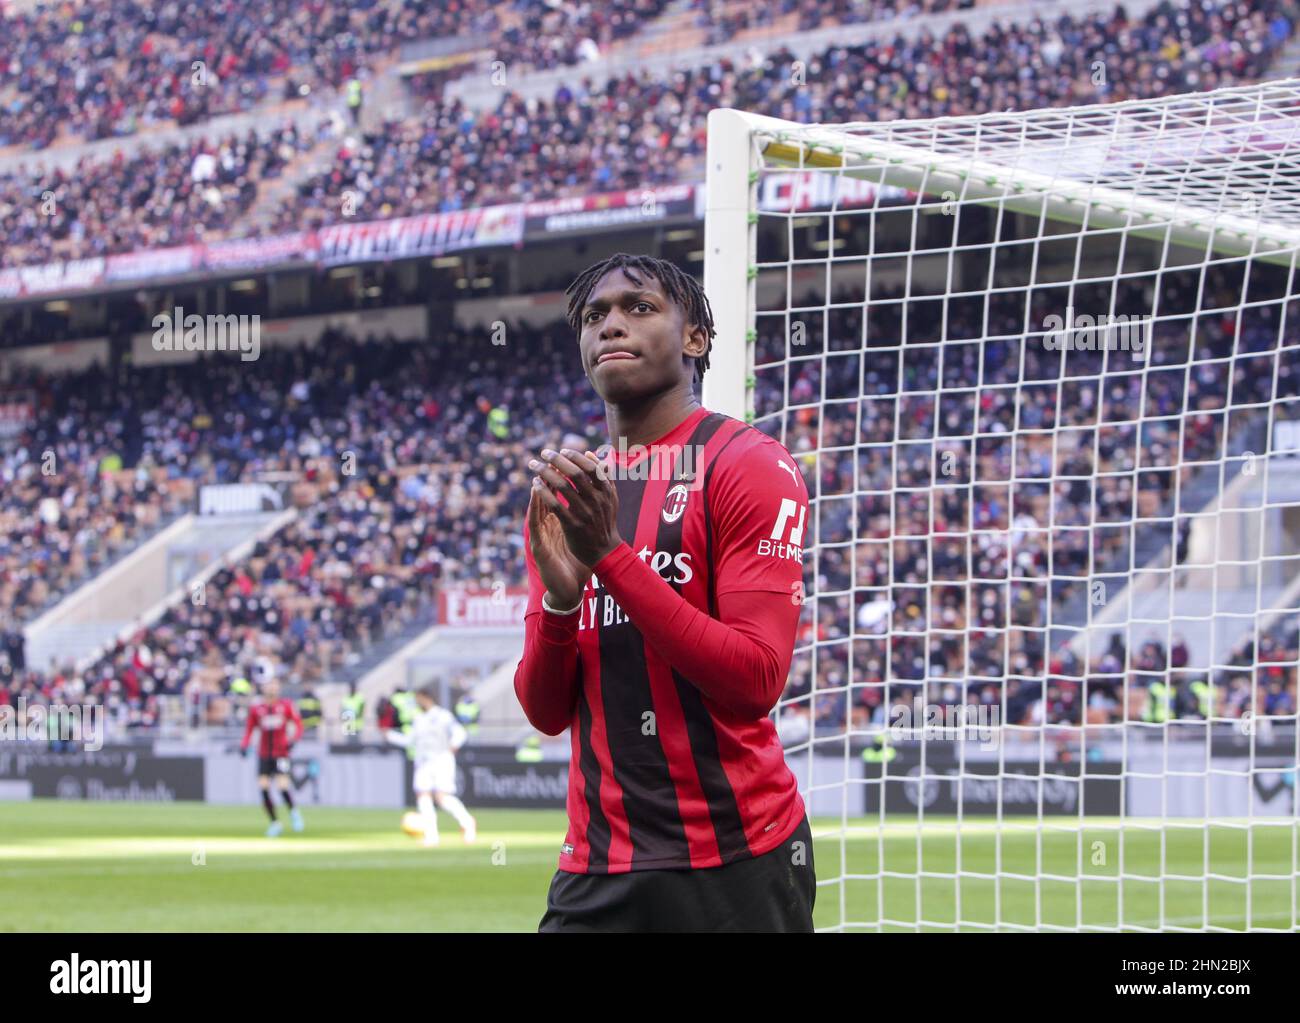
732	661
546	681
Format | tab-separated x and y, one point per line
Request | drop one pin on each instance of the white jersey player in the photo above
434	737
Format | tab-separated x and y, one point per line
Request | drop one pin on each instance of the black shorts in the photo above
772	892
272	765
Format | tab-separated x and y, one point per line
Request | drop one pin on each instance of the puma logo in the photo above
789	469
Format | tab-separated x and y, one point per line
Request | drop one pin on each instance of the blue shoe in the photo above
274	830
296	817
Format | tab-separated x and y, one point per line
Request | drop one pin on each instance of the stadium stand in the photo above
106	68
438	497
631	131
434	497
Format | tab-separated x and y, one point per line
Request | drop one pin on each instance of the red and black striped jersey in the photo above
677	653
273	718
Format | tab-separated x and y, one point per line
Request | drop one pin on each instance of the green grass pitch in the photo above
73	866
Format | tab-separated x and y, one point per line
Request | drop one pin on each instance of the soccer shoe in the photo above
429	840
295	815
274	830
470	831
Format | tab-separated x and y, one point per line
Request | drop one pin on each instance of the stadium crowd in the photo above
73	494
438	435
968	568
109	68
635	131
638	131
152	198
562	34
432	495
725	19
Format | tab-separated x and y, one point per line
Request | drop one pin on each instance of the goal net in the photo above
1041	371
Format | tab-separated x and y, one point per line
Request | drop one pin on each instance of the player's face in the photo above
634	340
272	690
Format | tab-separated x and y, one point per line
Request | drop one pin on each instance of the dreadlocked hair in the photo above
680	287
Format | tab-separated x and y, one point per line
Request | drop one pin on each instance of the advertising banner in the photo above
34	771
981	787
492	777
474	606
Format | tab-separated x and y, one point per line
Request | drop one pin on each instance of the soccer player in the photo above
435	736
275	717
665	584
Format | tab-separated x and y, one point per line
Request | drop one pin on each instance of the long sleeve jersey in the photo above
274	719
666	672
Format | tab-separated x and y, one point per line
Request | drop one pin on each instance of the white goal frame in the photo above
1079	166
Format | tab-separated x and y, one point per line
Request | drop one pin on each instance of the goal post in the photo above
1041	371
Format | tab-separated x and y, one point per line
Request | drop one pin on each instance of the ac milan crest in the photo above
675	503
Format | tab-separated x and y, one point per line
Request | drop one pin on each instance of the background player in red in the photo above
664	594
275	716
